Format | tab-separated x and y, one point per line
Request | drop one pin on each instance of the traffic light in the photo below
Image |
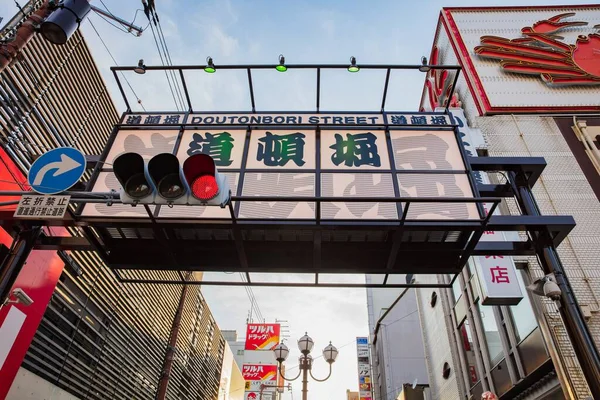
129	169
163	181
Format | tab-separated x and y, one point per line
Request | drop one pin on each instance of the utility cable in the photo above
163	63
116	63
168	57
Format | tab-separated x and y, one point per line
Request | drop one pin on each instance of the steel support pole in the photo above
579	334
304	379
170	353
13	263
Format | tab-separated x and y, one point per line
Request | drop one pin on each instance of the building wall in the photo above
438	345
563	188
99	338
29	386
397	348
54	96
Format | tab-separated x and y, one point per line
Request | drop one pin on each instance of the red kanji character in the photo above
499	274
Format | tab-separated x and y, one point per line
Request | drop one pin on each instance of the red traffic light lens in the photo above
205	187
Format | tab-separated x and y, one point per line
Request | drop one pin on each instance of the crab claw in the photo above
553	24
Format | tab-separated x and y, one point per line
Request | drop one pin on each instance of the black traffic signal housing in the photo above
163	181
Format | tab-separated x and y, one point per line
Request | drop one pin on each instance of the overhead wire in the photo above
116	63
163	63
168	57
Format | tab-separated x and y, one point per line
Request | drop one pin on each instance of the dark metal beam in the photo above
531	167
289	66
495	190
63	243
287	284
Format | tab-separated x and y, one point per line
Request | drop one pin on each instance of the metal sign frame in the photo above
448	243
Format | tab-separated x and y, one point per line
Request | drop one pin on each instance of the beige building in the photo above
523	351
98	338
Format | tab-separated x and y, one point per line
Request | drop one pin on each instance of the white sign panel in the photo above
353	156
44	207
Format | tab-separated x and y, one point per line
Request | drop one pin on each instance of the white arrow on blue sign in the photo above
56	171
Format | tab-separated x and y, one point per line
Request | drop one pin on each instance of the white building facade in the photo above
521	105
397	354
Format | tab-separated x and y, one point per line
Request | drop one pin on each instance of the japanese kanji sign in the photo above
364	368
260	372
262	336
44	207
304	155
287	119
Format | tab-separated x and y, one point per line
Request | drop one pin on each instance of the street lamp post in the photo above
305	344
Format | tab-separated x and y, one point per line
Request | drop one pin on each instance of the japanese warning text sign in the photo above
262	336
304	155
46	207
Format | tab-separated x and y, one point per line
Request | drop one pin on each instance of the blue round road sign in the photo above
56	171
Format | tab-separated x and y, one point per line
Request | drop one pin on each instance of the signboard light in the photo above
424	67
353	67
141	68
210	67
281	67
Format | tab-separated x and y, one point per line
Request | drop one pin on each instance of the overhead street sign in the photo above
56	170
46	207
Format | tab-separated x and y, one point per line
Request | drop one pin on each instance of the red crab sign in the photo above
541	52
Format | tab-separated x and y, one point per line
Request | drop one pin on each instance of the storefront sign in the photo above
364	368
262	336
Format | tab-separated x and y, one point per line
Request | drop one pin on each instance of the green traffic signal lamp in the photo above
210	67
353	67
281	67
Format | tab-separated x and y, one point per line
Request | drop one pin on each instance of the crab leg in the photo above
543	38
559	81
537	69
494	42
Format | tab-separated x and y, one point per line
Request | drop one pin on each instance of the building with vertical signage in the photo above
394	320
363	358
86	335
256	359
530	86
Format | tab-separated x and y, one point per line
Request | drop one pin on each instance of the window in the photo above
240	352
492	334
467	343
456	290
522	314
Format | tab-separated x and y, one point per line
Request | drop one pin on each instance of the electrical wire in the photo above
163	63
116	63
168	58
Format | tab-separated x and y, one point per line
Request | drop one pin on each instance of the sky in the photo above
256	32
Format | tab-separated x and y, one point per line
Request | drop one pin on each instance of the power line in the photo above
163	63
116	63
168	58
